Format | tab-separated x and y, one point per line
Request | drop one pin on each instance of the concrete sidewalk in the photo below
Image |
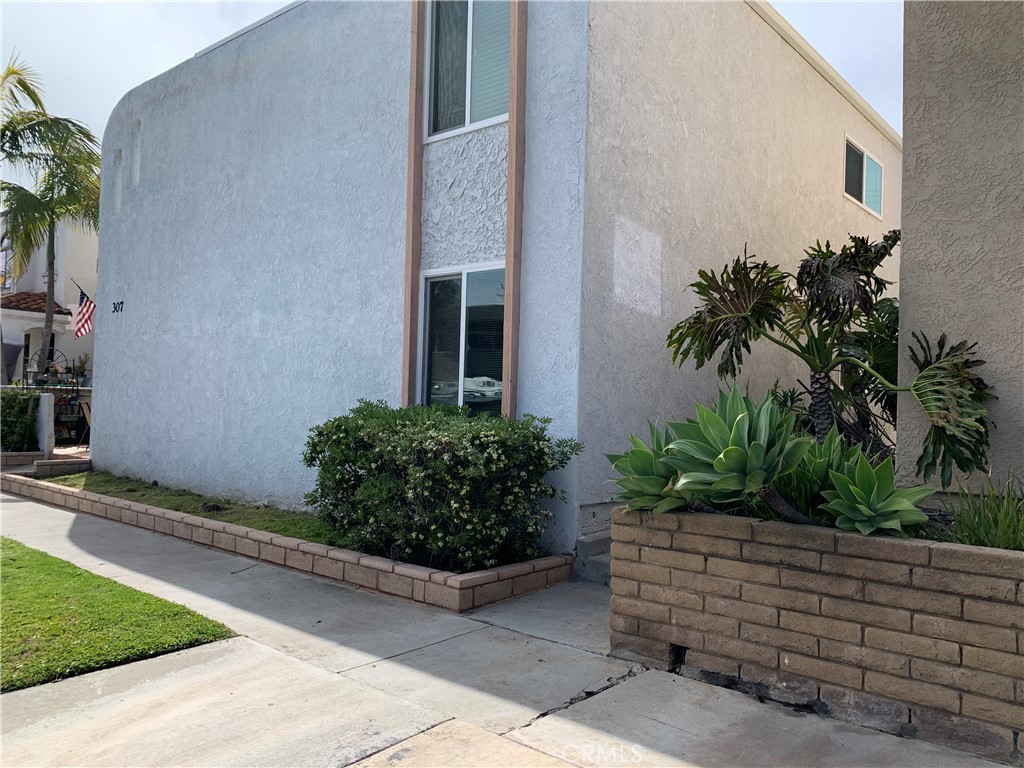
330	675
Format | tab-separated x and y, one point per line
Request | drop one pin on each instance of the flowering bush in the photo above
435	486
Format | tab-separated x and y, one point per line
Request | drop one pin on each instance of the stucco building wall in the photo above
549	322
253	224
963	206
706	131
464	181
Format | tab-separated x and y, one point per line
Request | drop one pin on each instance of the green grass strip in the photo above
296	524
60	621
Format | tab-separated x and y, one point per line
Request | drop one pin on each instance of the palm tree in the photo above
63	157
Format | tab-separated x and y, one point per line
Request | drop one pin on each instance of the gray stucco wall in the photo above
706	130
260	254
549	325
464	186
962	268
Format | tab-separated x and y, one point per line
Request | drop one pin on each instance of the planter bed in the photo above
19	458
456	592
913	637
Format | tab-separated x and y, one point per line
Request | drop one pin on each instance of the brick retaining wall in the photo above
456	592
908	636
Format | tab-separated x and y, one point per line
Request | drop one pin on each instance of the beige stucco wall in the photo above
706	130
962	268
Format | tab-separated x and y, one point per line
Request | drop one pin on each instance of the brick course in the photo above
456	592
908	636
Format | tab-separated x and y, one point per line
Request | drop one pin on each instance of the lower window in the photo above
463	339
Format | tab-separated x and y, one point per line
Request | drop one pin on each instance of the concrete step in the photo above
593	558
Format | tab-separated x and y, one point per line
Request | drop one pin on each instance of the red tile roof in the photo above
30	302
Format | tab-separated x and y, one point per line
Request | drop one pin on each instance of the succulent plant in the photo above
866	499
803	487
647	480
736	450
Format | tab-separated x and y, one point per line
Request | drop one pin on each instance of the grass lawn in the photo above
60	621
296	524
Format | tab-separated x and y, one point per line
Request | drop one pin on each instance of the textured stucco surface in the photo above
464	187
962	269
549	324
264	237
705	131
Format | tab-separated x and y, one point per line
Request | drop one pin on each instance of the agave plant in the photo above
647	480
737	450
830	315
866	499
803	487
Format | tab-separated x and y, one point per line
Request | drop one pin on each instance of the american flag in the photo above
83	315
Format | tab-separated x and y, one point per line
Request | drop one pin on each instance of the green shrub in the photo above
18	420
993	518
435	486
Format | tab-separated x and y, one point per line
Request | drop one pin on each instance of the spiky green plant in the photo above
803	487
736	450
866	499
646	480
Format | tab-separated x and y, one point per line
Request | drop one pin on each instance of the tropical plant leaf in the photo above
738	306
954	397
834	285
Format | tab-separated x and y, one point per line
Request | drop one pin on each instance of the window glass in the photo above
441	356
854	173
485	326
873	185
489	87
449	38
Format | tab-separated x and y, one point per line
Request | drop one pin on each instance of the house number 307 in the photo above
118	307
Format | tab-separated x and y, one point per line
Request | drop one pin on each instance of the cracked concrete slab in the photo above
334	626
459	745
494	678
232	703
656	718
572	613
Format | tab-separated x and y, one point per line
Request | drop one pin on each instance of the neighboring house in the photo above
962	268
309	213
23	303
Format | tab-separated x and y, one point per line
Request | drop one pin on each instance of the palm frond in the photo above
25	220
33	140
738	306
20	87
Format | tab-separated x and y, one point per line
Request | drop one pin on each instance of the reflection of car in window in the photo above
481	388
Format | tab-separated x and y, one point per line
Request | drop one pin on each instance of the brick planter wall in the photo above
912	637
456	592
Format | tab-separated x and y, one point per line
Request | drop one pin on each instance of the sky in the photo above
91	53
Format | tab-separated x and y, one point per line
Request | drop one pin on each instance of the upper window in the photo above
469	63
863	178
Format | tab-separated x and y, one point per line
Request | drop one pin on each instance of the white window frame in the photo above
863	177
430	274
429	138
